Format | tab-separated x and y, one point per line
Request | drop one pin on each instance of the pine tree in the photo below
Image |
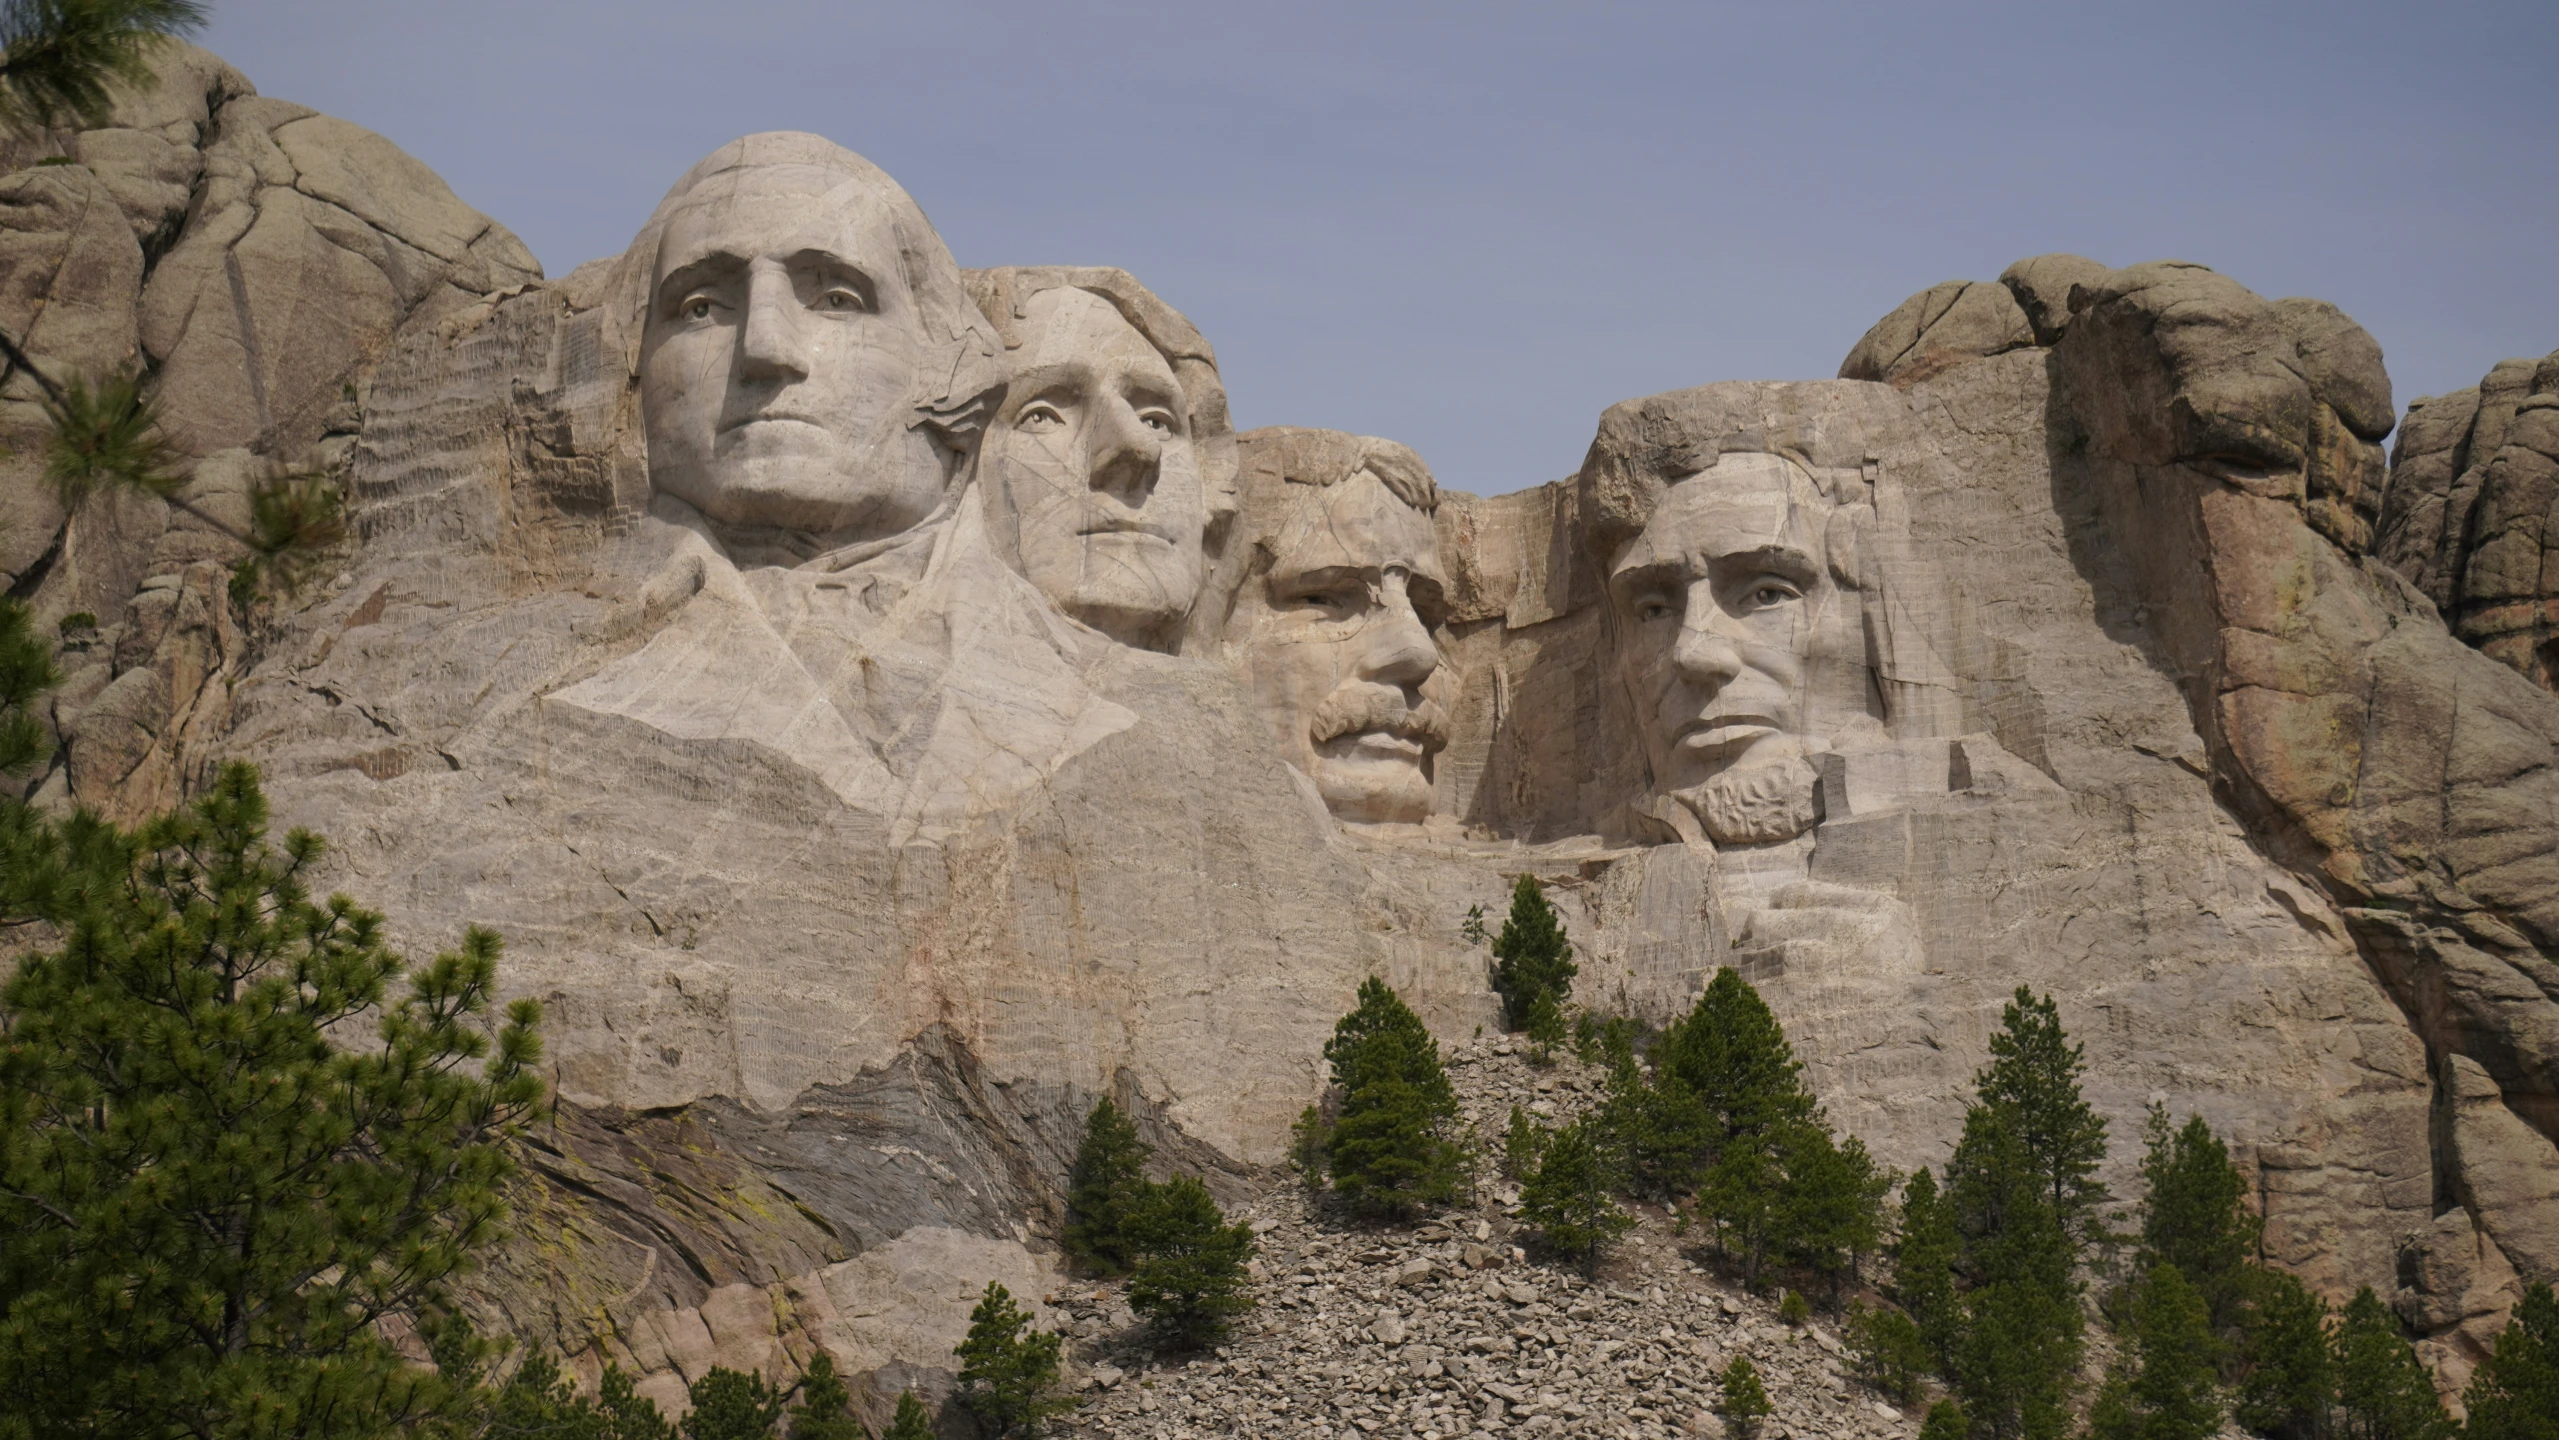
825	1411
1532	961
2195	1215
1745	1399
1831	1209
1522	1144
60	59
1945	1421
2383	1393
2033	1079
1924	1263
204	1202
2288	1369
1391	1150
2022	1193
1190	1278
1888	1351
622	1413
2514	1395
730	1405
1008	1371
911	1421
1567	1199
1731	1054
2164	1388
2018	1344
1750	1106
1104	1185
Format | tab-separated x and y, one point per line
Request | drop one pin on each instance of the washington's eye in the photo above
1339	600
841	298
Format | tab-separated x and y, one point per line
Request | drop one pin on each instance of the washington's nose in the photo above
771	345
1124	455
1400	650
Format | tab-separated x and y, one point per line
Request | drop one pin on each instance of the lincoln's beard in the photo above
1756	804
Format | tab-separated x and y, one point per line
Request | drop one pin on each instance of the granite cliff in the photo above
887	708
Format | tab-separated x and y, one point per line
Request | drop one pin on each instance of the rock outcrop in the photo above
886	710
2471	513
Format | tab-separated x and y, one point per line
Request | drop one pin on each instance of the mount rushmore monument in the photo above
887	707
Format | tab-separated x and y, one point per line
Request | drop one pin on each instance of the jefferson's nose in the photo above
1124	455
1397	649
771	346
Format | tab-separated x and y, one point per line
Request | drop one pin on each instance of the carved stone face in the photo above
1338	640
1095	476
1740	651
778	364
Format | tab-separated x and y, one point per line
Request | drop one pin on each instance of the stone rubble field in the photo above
1452	1327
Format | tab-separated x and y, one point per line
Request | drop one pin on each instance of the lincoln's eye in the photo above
1157	421
1771	595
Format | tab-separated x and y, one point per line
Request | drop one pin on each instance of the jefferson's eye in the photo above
1039	415
696	308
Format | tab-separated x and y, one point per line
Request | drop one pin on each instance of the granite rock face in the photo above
886	709
2471	513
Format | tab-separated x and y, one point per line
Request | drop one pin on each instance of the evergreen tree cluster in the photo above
1185	1263
1721	1115
1986	1267
1386	1138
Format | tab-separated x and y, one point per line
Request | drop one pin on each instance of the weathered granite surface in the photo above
886	709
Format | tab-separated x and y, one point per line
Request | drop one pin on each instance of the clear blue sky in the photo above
1471	227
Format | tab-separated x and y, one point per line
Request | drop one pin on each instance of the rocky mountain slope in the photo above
2175	699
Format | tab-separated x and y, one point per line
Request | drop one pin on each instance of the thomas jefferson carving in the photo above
1110	465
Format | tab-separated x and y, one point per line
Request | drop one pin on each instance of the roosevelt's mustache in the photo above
1360	709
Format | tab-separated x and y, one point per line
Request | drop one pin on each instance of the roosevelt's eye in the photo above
1038	415
1653	607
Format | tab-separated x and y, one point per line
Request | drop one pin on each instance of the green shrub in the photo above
1794	1309
2514	1395
911	1422
1102	1189
2383	1392
1392	1147
1008	1371
1568	1198
1190	1279
728	1405
1533	963
1745	1400
1888	1352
